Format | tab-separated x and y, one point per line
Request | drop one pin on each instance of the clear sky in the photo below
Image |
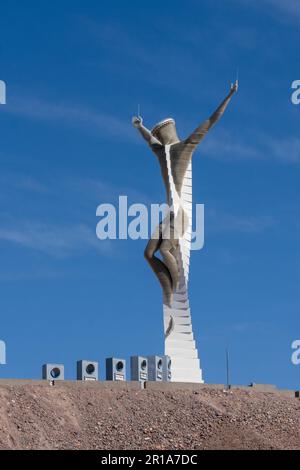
75	72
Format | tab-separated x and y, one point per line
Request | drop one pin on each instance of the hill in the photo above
79	415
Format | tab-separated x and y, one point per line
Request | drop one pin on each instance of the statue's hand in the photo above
137	121
234	87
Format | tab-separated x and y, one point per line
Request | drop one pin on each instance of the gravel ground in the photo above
35	416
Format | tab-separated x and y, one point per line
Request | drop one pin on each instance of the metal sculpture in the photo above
172	237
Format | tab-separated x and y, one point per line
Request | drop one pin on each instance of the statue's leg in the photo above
160	269
173	229
167	249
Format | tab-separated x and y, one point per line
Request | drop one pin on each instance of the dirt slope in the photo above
37	416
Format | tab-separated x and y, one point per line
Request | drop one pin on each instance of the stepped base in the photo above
180	345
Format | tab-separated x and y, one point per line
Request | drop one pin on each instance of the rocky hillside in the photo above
72	415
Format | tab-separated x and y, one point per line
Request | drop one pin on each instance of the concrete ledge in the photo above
173	386
165	386
105	384
263	387
20	382
126	385
155	386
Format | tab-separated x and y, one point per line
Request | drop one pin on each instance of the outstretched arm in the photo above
200	132
138	123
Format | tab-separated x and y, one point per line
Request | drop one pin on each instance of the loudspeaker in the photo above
115	369
87	370
139	368
167	363
155	368
53	372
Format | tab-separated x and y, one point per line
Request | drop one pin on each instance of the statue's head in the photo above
165	132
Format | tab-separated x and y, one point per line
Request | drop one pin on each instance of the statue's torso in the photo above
180	157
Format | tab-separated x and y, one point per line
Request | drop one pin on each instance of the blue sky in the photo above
75	72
